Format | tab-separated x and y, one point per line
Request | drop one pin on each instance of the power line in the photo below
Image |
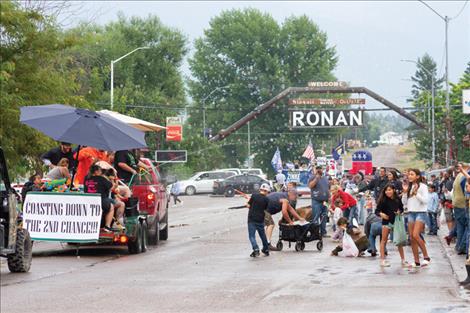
461	10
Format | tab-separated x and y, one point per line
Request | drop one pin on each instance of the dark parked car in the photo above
246	183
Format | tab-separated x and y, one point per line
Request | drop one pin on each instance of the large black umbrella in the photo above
82	127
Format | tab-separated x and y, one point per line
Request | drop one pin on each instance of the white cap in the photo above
265	187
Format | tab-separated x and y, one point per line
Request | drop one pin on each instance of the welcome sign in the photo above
68	217
325	118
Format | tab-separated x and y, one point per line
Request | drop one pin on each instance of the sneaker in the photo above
384	263
404	263
272	248
254	254
265	252
107	229
373	254
425	263
415	265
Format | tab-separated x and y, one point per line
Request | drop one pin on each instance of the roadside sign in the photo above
171	156
174	128
466	101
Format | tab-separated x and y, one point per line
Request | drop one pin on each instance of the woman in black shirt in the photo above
96	183
388	206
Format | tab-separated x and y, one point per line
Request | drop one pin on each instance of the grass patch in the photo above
407	157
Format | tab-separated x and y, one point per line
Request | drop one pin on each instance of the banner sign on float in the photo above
68	217
325	118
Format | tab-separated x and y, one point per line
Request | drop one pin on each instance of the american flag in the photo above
309	153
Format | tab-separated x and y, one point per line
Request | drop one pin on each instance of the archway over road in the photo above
262	108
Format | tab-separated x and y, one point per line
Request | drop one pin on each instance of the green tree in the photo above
31	73
254	58
422	78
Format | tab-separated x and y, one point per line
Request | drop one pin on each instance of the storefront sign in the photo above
68	217
174	129
327	84
326	118
466	101
326	101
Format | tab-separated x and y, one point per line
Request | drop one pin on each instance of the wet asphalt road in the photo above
205	267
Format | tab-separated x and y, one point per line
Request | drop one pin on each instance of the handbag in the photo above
399	233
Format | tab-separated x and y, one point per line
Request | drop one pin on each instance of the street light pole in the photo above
446	20
433	129
112	72
204	107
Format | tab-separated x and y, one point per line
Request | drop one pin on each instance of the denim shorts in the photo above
417	216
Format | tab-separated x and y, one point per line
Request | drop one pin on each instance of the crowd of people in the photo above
389	206
94	171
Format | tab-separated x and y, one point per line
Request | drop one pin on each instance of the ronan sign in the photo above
325	118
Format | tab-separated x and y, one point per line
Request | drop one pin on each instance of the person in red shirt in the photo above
86	157
349	206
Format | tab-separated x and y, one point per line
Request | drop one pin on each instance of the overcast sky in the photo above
370	36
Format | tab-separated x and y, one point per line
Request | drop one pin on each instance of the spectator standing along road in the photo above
377	184
319	189
458	204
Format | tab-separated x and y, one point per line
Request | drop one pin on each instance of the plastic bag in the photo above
399	233
349	247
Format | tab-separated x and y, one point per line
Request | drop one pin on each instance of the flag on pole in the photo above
309	153
338	151
276	161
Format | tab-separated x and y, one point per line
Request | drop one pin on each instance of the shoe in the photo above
414	265
461	253
265	252
254	254
108	229
466	282
425	263
272	248
448	240
405	263
373	254
384	263
118	226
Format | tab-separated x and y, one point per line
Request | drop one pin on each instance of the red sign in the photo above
174	133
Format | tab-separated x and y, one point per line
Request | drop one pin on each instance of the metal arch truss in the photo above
262	108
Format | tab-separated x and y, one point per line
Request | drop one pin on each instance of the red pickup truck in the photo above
153	200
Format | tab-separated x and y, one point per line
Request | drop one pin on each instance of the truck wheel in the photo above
190	190
164	232
229	192
144	236
20	261
154	235
135	244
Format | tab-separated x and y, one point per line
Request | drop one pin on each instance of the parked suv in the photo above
153	200
245	183
15	242
202	182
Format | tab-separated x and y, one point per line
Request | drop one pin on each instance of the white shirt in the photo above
280	179
418	202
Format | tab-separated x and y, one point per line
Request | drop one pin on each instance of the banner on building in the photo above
67	217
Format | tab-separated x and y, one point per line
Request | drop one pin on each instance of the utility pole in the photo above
249	146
